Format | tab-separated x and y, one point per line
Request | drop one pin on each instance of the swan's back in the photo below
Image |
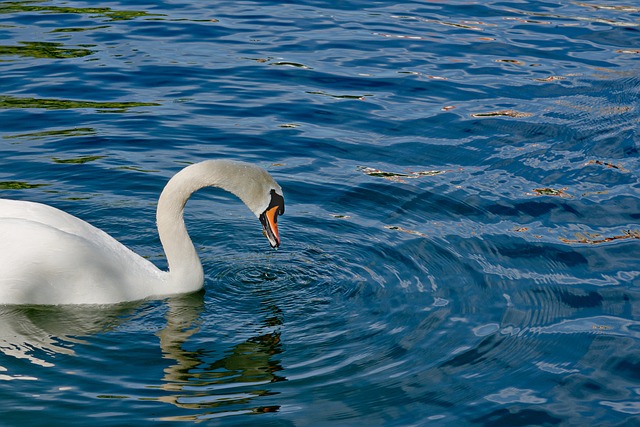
47	215
50	257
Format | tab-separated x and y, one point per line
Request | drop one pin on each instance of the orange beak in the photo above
269	220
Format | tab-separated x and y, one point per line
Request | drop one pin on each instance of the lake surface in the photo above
461	239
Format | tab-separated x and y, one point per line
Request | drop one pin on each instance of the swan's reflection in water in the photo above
225	386
34	332
191	381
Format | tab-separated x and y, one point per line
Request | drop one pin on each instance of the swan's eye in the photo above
276	200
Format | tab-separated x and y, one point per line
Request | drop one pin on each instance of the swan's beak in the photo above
269	220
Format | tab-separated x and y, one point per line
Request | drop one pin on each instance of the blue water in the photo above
460	244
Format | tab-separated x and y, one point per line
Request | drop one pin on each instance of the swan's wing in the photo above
64	260
48	215
59	222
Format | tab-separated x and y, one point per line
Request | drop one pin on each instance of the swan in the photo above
48	256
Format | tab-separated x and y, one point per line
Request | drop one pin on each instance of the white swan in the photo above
50	257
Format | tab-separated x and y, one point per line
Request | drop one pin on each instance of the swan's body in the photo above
50	257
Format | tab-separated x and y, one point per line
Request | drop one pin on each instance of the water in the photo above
460	245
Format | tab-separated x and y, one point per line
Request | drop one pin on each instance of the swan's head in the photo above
269	218
257	189
252	184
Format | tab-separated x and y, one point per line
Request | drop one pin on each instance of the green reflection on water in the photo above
44	50
78	160
48	133
136	169
18	185
31	6
8	102
78	29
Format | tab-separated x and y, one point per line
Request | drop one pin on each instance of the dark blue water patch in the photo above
518	418
619	37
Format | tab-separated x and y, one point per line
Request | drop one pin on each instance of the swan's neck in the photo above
250	183
185	269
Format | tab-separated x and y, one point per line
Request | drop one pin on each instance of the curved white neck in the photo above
251	184
185	269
